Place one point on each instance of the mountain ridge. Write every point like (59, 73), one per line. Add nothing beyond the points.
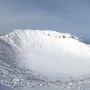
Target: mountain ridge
(36, 55)
(54, 34)
(39, 37)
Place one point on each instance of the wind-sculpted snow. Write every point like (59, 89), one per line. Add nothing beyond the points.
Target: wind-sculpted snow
(30, 58)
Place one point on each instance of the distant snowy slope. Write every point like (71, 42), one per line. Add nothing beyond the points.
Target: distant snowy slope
(37, 38)
(53, 55)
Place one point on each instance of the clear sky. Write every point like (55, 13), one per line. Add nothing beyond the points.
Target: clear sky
(71, 16)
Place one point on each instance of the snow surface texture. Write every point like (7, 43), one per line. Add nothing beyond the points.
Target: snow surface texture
(43, 58)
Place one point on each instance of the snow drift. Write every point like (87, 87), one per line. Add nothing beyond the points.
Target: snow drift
(44, 55)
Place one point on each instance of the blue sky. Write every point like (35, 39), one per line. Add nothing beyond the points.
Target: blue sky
(71, 16)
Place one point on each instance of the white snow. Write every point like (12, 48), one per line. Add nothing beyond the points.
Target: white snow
(53, 54)
(43, 55)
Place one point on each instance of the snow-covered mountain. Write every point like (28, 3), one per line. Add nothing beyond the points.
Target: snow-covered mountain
(32, 57)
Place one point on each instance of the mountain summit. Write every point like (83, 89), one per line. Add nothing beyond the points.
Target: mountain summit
(38, 55)
(50, 39)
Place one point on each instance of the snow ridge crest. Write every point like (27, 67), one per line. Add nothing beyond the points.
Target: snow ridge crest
(22, 35)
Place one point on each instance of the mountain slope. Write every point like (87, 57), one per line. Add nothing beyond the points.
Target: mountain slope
(42, 56)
